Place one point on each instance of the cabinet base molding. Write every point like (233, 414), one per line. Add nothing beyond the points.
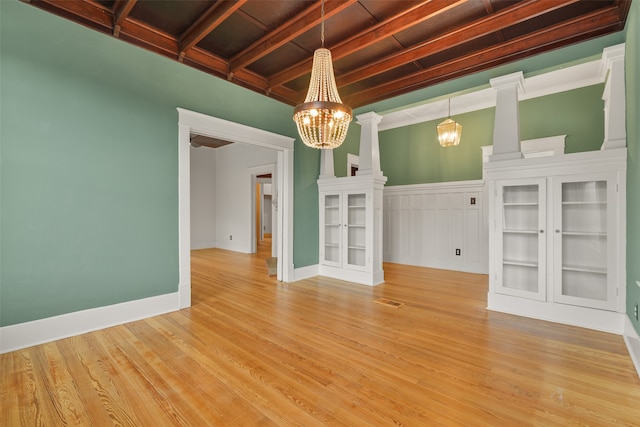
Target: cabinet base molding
(363, 277)
(600, 320)
(632, 340)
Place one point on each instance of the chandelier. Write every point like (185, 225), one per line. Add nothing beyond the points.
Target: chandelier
(449, 132)
(322, 120)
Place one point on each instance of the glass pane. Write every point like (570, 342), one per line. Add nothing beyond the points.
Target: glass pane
(331, 253)
(521, 194)
(583, 284)
(520, 277)
(520, 248)
(356, 256)
(584, 239)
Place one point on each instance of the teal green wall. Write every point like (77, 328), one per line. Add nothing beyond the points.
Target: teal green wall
(89, 172)
(632, 72)
(412, 154)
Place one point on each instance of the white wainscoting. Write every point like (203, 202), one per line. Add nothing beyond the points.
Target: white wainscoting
(424, 224)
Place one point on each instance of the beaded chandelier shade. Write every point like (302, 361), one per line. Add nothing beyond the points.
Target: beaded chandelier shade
(322, 120)
(449, 132)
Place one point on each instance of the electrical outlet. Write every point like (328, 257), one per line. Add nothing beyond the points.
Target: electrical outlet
(473, 200)
(230, 237)
(458, 252)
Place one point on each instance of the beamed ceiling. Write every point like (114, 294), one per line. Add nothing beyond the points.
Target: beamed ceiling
(380, 48)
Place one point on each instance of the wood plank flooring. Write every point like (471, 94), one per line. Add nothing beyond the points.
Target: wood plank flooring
(252, 351)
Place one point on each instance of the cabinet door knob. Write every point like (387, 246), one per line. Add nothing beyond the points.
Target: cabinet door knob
(557, 231)
(541, 231)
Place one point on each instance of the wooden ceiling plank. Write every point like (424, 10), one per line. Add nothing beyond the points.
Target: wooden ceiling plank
(212, 64)
(216, 14)
(301, 23)
(505, 18)
(387, 28)
(121, 10)
(543, 40)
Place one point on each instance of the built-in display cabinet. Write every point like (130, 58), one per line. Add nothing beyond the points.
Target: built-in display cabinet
(557, 237)
(351, 228)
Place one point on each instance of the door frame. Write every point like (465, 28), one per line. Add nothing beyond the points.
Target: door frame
(192, 122)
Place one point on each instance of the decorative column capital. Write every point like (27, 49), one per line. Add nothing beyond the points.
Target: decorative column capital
(509, 81)
(610, 56)
(370, 117)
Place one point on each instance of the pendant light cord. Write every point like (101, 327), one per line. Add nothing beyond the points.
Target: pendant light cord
(322, 24)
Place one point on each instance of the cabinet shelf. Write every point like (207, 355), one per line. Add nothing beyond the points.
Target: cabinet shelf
(585, 233)
(357, 247)
(520, 204)
(520, 263)
(522, 231)
(331, 245)
(595, 270)
(585, 202)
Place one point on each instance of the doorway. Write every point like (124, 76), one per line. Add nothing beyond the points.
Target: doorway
(190, 122)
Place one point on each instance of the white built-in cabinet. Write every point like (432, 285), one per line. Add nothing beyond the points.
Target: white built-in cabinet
(345, 227)
(351, 228)
(557, 237)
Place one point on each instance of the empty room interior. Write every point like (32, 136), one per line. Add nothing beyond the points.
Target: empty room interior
(319, 212)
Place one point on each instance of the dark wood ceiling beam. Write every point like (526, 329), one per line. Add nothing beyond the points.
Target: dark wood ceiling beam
(90, 14)
(301, 23)
(212, 64)
(121, 10)
(213, 17)
(490, 10)
(562, 34)
(403, 20)
(505, 18)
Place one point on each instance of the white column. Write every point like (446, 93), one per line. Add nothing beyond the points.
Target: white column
(506, 127)
(369, 146)
(612, 69)
(326, 164)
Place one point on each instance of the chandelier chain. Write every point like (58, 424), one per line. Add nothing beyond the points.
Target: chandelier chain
(322, 23)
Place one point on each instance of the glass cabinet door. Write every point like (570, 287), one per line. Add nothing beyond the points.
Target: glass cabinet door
(521, 245)
(582, 237)
(331, 224)
(355, 222)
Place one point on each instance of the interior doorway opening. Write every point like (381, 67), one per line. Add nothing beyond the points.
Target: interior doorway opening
(192, 123)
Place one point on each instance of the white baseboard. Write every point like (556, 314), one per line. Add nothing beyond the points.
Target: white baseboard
(632, 340)
(197, 245)
(599, 320)
(28, 334)
(363, 277)
(305, 272)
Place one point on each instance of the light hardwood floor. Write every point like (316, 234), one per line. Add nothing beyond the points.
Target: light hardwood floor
(252, 351)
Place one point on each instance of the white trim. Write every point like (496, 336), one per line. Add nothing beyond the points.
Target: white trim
(27, 334)
(419, 188)
(193, 122)
(307, 272)
(268, 168)
(369, 278)
(352, 160)
(600, 320)
(539, 147)
(632, 340)
(562, 80)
